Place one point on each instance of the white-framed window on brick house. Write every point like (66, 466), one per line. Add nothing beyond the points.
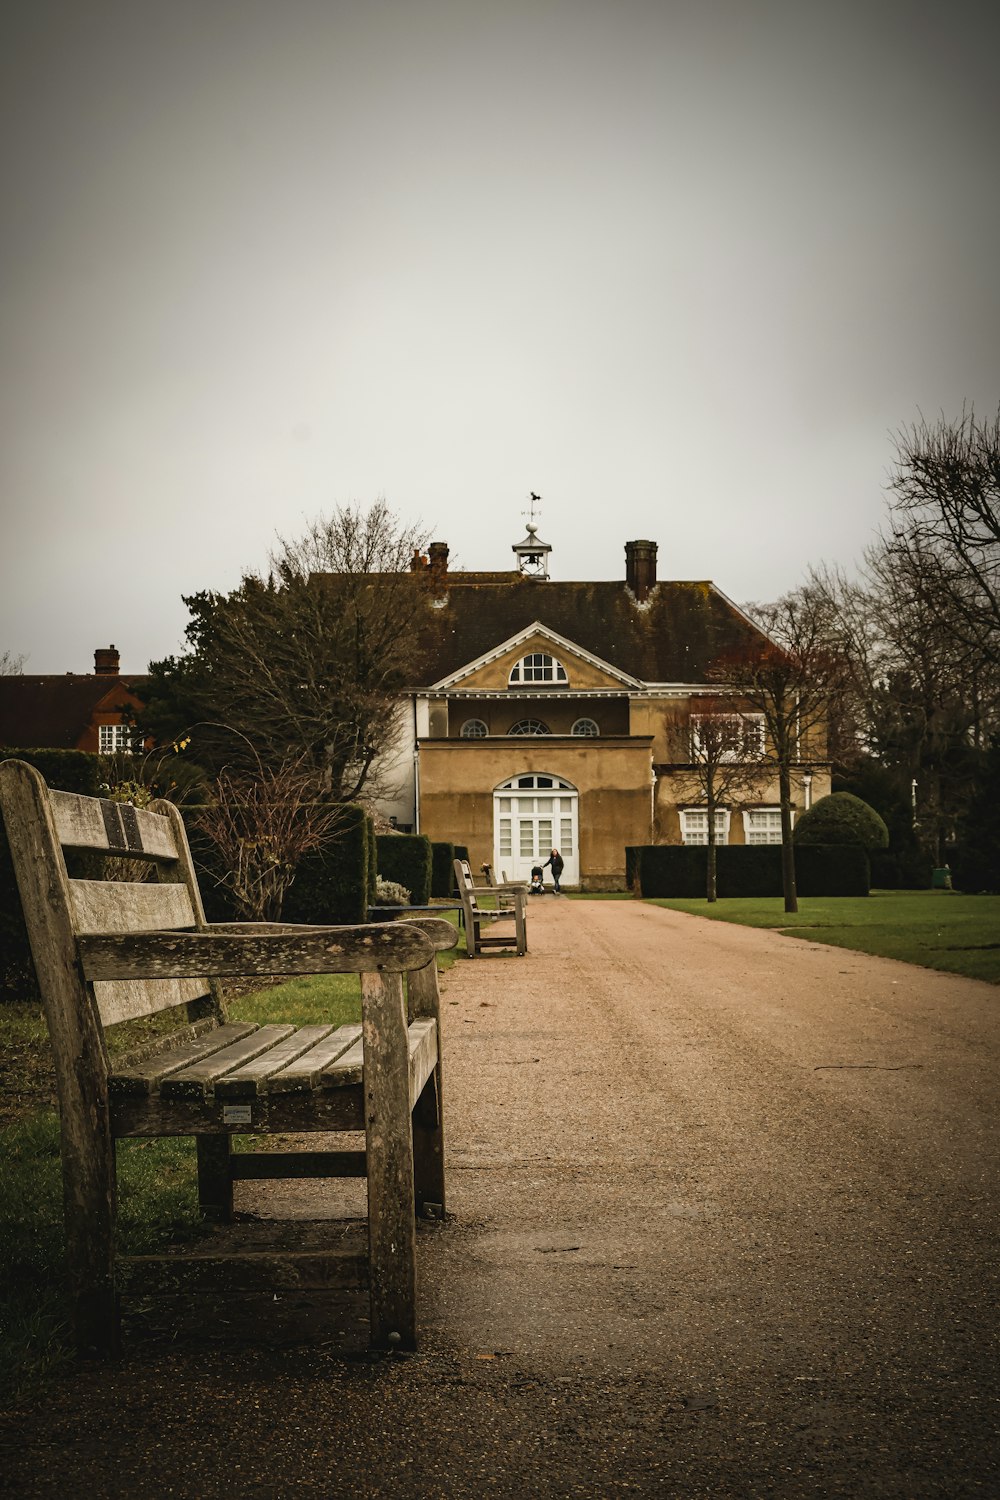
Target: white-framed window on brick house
(762, 825)
(537, 666)
(474, 729)
(694, 825)
(737, 736)
(113, 737)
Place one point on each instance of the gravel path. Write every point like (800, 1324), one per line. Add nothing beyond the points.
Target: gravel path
(725, 1226)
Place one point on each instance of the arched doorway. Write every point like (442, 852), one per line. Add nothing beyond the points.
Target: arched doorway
(532, 815)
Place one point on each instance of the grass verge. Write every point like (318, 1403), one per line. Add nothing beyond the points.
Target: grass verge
(944, 930)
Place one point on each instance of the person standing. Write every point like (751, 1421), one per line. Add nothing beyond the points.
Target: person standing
(555, 860)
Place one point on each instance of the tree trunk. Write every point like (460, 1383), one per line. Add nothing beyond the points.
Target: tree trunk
(787, 847)
(710, 861)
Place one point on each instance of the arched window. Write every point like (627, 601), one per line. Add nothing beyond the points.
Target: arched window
(586, 727)
(474, 729)
(538, 667)
(529, 726)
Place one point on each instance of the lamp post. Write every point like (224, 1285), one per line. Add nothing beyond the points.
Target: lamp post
(807, 786)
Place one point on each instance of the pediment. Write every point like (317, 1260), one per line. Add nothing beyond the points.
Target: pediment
(491, 671)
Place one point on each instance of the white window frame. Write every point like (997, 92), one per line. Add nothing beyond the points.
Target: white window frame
(521, 727)
(592, 730)
(537, 666)
(745, 721)
(470, 730)
(752, 835)
(114, 739)
(694, 825)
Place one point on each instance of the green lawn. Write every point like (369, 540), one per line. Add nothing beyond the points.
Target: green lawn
(936, 929)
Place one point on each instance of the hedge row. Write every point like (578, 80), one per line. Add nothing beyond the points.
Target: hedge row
(332, 885)
(65, 771)
(442, 870)
(679, 870)
(407, 859)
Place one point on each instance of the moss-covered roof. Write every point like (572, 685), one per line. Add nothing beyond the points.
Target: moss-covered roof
(674, 637)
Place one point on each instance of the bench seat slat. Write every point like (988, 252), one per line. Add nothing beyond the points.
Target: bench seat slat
(201, 1076)
(305, 1071)
(145, 1077)
(347, 1068)
(253, 1076)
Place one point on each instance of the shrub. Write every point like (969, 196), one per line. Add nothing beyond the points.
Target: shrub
(442, 869)
(390, 893)
(679, 870)
(406, 858)
(332, 885)
(65, 771)
(841, 818)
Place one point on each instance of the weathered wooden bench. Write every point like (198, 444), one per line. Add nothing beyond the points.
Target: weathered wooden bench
(480, 921)
(108, 951)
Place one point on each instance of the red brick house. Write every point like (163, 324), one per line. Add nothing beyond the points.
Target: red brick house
(74, 711)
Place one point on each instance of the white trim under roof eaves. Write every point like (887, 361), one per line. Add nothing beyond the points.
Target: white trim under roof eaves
(536, 628)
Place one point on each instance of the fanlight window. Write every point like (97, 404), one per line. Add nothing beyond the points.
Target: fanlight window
(529, 726)
(538, 667)
(586, 727)
(474, 729)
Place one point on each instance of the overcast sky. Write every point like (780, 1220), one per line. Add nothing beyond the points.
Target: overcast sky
(682, 268)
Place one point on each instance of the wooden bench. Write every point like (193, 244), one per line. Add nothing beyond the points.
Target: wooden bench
(480, 921)
(108, 951)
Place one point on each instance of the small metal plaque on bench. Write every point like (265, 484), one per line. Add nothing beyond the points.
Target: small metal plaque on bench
(236, 1114)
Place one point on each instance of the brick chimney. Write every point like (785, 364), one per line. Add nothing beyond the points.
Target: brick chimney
(106, 662)
(640, 569)
(437, 555)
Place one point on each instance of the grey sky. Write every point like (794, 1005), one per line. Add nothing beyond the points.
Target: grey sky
(682, 268)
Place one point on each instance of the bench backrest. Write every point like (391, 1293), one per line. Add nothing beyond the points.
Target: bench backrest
(44, 826)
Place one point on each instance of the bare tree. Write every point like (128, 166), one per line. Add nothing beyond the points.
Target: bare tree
(726, 748)
(308, 659)
(793, 674)
(924, 697)
(947, 504)
(10, 664)
(262, 826)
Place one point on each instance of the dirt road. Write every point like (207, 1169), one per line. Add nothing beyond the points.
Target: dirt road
(725, 1225)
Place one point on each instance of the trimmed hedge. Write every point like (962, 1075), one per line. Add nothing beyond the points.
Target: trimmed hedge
(65, 771)
(334, 884)
(330, 886)
(679, 870)
(407, 859)
(841, 818)
(442, 869)
(372, 861)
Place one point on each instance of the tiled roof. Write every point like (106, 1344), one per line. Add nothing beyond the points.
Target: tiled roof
(54, 711)
(674, 637)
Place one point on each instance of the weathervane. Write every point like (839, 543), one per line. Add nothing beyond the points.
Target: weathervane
(532, 554)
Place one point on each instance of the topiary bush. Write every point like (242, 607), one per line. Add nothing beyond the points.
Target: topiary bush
(841, 818)
(442, 869)
(406, 858)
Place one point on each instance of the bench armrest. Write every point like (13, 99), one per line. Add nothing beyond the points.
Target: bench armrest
(239, 949)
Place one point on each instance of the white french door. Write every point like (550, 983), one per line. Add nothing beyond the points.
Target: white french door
(532, 815)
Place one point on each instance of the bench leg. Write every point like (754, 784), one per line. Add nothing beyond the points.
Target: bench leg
(215, 1179)
(428, 1115)
(392, 1233)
